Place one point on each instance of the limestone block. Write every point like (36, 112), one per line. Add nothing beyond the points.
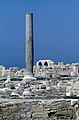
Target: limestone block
(13, 116)
(5, 109)
(37, 108)
(0, 118)
(39, 115)
(64, 113)
(6, 113)
(14, 108)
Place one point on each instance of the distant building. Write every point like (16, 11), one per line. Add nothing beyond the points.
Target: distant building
(47, 68)
(2, 70)
(45, 64)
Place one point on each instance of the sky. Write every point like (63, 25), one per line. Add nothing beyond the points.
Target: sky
(56, 31)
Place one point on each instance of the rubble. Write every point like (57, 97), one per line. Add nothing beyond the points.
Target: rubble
(49, 97)
(37, 110)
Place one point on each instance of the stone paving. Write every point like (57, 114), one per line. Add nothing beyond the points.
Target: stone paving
(37, 110)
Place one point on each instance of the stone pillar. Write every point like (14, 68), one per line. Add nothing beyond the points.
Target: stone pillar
(29, 42)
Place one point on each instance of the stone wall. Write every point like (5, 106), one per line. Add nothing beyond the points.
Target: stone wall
(37, 110)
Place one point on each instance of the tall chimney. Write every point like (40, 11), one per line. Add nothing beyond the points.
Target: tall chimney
(29, 42)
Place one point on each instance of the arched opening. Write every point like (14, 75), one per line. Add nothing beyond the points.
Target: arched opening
(45, 64)
(40, 64)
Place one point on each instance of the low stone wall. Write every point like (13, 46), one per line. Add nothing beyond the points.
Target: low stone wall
(37, 110)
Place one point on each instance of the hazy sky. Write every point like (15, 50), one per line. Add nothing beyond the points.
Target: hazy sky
(56, 30)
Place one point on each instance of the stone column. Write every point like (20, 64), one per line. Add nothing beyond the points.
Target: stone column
(29, 42)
